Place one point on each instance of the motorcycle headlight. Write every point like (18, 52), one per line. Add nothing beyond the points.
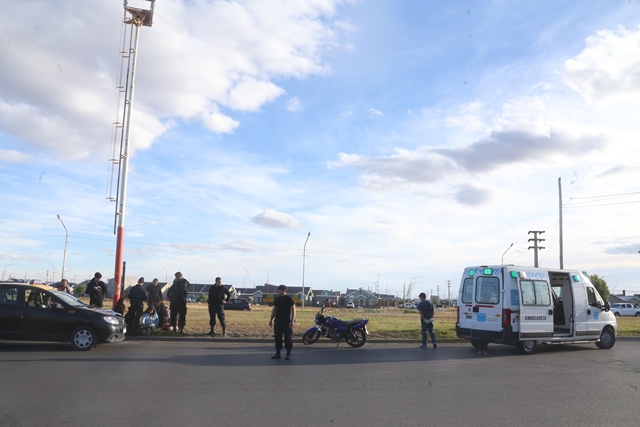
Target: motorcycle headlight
(111, 319)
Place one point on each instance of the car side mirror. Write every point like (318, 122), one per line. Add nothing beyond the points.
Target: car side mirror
(58, 306)
(607, 306)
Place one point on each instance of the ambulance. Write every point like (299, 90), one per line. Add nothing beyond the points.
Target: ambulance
(527, 306)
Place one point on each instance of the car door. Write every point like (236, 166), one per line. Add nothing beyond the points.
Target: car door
(11, 311)
(536, 309)
(44, 318)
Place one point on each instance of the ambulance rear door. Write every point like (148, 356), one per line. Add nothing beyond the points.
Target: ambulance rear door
(481, 307)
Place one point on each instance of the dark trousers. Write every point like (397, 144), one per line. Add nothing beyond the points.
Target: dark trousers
(282, 327)
(178, 311)
(427, 327)
(217, 310)
(136, 312)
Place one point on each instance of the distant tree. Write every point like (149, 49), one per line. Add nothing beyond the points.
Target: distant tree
(600, 284)
(79, 290)
(201, 298)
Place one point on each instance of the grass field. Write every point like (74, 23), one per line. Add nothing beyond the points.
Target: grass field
(383, 323)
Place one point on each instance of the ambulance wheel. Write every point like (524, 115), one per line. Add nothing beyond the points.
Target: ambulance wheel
(527, 347)
(607, 339)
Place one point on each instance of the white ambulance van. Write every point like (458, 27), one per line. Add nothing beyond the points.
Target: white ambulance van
(526, 306)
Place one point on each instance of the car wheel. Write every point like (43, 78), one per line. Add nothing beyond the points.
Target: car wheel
(528, 347)
(607, 339)
(638, 314)
(83, 338)
(245, 309)
(616, 314)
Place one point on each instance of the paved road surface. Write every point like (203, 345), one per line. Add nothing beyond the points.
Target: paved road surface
(237, 384)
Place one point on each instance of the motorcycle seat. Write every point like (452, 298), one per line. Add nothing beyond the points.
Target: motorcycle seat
(350, 323)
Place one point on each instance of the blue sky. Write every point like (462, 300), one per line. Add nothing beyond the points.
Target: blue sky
(410, 138)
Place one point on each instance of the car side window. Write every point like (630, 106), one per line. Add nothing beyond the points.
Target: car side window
(9, 296)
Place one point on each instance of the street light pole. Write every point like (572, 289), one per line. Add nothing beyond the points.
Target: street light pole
(166, 275)
(53, 278)
(505, 252)
(5, 269)
(66, 240)
(304, 256)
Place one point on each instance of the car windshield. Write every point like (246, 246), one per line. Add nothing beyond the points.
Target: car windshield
(69, 299)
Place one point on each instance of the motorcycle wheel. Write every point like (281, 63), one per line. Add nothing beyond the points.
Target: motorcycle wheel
(356, 338)
(310, 337)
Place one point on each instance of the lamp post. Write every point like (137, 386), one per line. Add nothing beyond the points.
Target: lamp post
(506, 252)
(304, 256)
(166, 275)
(66, 240)
(410, 281)
(53, 276)
(4, 269)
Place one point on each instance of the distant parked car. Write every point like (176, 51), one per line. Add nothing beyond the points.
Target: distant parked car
(238, 304)
(408, 305)
(625, 309)
(351, 305)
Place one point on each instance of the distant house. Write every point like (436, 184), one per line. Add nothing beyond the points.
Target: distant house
(326, 298)
(270, 292)
(633, 299)
(196, 289)
(361, 298)
(252, 294)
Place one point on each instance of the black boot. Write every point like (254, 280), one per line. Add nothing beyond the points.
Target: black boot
(276, 356)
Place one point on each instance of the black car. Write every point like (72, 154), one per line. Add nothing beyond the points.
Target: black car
(39, 313)
(238, 304)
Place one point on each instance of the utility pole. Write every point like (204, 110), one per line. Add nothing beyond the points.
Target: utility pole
(535, 246)
(136, 18)
(304, 257)
(449, 293)
(560, 219)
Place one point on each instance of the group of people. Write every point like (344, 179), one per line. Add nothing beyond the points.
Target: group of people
(283, 313)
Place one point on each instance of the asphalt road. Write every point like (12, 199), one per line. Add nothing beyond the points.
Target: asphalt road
(214, 383)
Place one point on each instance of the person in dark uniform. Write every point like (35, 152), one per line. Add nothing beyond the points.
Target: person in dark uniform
(218, 297)
(177, 295)
(284, 313)
(137, 297)
(96, 290)
(154, 291)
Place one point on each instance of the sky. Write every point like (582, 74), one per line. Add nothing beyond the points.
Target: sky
(342, 144)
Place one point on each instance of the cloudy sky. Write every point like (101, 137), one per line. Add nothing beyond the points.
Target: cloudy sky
(411, 138)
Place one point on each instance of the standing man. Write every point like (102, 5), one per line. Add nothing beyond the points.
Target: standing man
(177, 295)
(96, 290)
(284, 312)
(154, 292)
(425, 308)
(137, 297)
(218, 297)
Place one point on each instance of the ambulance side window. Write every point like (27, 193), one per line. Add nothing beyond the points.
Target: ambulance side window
(594, 299)
(467, 291)
(535, 292)
(488, 290)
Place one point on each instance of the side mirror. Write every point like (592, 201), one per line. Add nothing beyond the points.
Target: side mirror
(607, 306)
(57, 306)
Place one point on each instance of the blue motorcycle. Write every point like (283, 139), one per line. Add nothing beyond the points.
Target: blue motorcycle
(354, 332)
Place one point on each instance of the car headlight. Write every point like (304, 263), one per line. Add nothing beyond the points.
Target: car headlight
(111, 319)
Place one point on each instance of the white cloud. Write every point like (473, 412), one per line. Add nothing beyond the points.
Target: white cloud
(608, 69)
(13, 156)
(273, 219)
(294, 104)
